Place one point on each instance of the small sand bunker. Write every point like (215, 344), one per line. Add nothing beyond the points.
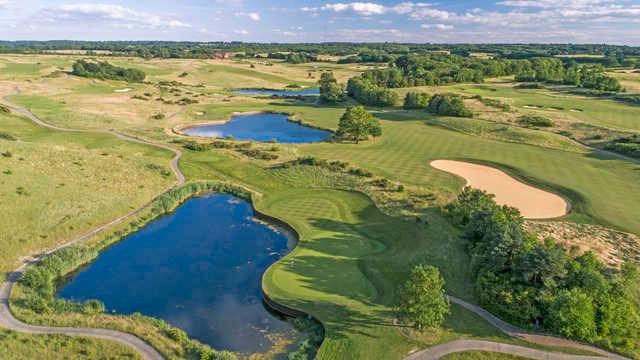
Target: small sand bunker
(533, 203)
(123, 90)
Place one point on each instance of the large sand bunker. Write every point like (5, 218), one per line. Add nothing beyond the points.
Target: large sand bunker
(533, 203)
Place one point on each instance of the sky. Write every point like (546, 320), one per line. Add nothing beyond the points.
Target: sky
(460, 21)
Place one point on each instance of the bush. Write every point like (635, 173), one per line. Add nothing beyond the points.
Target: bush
(158, 116)
(448, 105)
(360, 172)
(259, 154)
(196, 146)
(535, 121)
(4, 109)
(416, 100)
(6, 136)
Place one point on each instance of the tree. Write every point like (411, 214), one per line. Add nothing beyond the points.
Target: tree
(416, 100)
(448, 105)
(357, 124)
(330, 90)
(572, 314)
(421, 299)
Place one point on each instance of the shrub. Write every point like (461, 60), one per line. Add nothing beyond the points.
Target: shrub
(178, 335)
(196, 146)
(158, 116)
(416, 100)
(259, 154)
(7, 154)
(535, 121)
(360, 172)
(448, 105)
(6, 136)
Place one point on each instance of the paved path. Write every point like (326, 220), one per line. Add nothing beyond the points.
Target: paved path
(439, 351)
(6, 317)
(547, 340)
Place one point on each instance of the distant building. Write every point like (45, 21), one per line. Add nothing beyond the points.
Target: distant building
(221, 56)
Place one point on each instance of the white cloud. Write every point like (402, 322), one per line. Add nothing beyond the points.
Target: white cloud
(360, 8)
(366, 8)
(255, 16)
(241, 32)
(437, 26)
(110, 13)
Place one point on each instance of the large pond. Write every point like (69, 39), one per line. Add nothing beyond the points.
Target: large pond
(261, 127)
(200, 269)
(306, 92)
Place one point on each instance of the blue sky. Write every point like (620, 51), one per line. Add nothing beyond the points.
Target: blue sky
(577, 21)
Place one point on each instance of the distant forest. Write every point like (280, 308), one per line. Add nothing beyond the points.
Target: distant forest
(355, 52)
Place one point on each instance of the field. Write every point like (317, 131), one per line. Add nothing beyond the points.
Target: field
(49, 182)
(357, 243)
(18, 346)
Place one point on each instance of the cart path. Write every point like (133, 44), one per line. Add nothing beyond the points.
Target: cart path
(438, 351)
(8, 321)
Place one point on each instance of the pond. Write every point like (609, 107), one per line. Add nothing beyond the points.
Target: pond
(307, 92)
(261, 127)
(200, 269)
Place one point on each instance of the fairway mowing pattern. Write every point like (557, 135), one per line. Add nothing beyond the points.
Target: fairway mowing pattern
(608, 188)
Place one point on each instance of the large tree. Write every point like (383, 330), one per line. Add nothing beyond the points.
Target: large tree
(422, 301)
(330, 90)
(357, 124)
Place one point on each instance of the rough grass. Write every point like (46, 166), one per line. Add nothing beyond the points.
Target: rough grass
(59, 185)
(559, 105)
(16, 346)
(352, 256)
(481, 355)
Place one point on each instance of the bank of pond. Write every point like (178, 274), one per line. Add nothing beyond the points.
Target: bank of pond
(200, 269)
(260, 127)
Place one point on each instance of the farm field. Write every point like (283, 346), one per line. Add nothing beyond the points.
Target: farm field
(354, 248)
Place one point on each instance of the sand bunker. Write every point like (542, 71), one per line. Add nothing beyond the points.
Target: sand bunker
(533, 203)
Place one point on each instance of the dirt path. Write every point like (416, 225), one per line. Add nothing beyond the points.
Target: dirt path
(532, 202)
(6, 317)
(546, 340)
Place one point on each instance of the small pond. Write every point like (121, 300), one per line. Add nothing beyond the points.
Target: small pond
(306, 92)
(261, 127)
(200, 269)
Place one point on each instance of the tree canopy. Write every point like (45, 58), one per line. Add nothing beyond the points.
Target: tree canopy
(330, 91)
(527, 281)
(106, 71)
(421, 299)
(357, 124)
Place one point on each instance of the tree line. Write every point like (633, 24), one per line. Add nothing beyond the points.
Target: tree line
(186, 49)
(541, 284)
(106, 71)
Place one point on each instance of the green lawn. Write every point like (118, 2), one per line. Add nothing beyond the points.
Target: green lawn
(605, 188)
(351, 256)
